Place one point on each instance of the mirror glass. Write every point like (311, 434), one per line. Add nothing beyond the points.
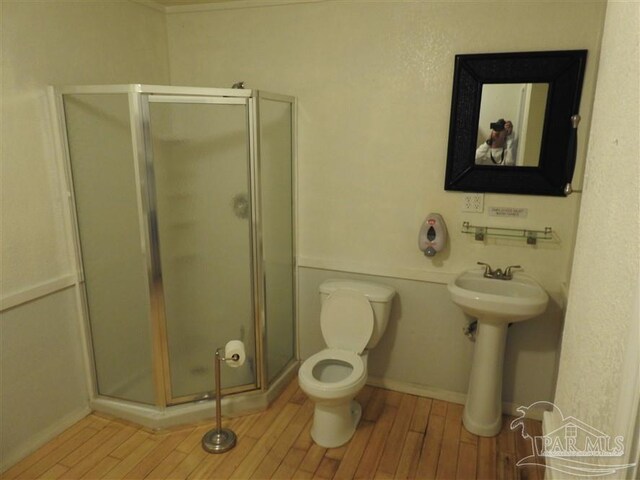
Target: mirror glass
(511, 123)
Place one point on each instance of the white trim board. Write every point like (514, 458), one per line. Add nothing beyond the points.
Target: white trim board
(37, 291)
(378, 270)
(400, 273)
(508, 408)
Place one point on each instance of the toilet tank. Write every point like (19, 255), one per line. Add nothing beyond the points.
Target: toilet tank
(380, 297)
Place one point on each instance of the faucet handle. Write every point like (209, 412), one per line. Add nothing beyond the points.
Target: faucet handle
(488, 271)
(508, 270)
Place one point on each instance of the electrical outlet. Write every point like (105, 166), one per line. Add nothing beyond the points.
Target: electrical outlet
(473, 202)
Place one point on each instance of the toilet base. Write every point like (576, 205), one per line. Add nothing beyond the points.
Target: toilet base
(334, 425)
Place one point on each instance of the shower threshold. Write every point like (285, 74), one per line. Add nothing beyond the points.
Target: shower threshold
(156, 418)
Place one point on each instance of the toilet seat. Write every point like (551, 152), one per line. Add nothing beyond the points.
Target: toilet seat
(346, 321)
(354, 360)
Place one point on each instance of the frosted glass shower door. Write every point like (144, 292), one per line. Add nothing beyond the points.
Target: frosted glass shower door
(275, 125)
(203, 215)
(114, 265)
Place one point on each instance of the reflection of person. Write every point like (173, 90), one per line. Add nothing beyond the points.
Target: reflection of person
(497, 149)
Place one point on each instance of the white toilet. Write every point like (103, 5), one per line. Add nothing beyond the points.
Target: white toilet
(354, 316)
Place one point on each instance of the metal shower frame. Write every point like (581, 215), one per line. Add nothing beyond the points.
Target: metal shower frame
(139, 97)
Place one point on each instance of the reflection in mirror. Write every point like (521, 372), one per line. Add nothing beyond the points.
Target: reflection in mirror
(511, 124)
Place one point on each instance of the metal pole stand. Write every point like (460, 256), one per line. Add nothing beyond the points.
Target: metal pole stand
(219, 440)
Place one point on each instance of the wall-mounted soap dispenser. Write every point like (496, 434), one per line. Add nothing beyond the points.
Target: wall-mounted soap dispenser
(433, 235)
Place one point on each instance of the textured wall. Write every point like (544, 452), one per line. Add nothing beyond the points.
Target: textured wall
(52, 43)
(373, 80)
(58, 43)
(606, 264)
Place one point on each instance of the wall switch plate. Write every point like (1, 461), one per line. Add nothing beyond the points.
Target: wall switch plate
(473, 202)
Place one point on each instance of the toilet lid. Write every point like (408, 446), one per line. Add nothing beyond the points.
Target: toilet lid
(346, 320)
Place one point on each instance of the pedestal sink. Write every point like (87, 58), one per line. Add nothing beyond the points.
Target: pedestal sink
(495, 303)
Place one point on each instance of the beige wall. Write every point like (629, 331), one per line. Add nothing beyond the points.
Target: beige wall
(534, 114)
(373, 81)
(601, 322)
(52, 43)
(424, 350)
(58, 43)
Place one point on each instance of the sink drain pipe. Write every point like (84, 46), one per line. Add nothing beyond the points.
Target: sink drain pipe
(470, 330)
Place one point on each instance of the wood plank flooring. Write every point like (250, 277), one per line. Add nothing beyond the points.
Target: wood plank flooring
(399, 436)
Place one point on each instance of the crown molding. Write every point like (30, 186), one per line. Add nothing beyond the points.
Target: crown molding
(232, 5)
(152, 4)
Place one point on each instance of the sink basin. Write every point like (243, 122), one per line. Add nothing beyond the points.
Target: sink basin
(495, 300)
(496, 304)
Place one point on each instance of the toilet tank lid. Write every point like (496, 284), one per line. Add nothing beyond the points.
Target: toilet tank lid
(375, 292)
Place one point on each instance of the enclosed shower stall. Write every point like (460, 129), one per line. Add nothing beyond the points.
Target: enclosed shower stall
(182, 201)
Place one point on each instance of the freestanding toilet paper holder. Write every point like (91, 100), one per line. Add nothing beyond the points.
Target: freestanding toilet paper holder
(219, 440)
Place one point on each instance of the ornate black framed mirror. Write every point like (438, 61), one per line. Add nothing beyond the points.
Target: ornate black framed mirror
(511, 128)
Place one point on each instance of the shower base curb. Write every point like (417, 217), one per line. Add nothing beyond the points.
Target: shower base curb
(232, 406)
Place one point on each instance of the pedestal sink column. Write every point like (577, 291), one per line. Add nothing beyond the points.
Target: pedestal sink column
(495, 303)
(483, 409)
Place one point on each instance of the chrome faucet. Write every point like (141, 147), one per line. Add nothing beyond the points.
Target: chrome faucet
(498, 273)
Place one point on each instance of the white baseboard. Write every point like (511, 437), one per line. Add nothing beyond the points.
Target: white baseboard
(42, 437)
(440, 394)
(419, 390)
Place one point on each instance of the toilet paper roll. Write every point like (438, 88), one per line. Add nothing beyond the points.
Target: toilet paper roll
(234, 347)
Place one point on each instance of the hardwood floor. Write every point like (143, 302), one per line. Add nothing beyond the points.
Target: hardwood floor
(399, 436)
